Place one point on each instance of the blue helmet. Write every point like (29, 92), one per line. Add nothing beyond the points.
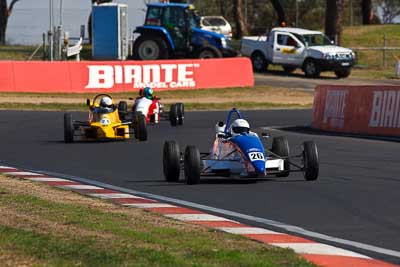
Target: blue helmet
(148, 93)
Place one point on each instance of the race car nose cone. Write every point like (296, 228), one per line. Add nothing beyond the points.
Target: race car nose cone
(259, 166)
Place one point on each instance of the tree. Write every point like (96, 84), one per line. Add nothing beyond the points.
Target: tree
(279, 12)
(367, 11)
(5, 13)
(241, 27)
(390, 10)
(333, 19)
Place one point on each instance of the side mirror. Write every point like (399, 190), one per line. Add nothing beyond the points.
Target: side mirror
(88, 102)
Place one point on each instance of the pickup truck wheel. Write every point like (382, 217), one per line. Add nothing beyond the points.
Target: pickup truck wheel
(311, 69)
(209, 52)
(288, 69)
(343, 73)
(259, 62)
(150, 47)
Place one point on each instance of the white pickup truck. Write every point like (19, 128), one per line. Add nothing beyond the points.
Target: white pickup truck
(294, 48)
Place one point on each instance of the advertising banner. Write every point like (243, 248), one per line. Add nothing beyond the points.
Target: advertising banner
(370, 110)
(124, 76)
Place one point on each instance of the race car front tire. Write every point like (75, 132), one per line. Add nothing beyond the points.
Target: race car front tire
(181, 113)
(171, 161)
(173, 115)
(122, 110)
(311, 162)
(68, 128)
(280, 146)
(192, 165)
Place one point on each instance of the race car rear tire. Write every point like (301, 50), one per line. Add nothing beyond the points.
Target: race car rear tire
(192, 165)
(141, 127)
(173, 115)
(181, 113)
(122, 109)
(311, 162)
(171, 161)
(280, 146)
(68, 128)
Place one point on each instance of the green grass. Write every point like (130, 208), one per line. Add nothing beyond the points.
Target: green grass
(19, 52)
(91, 236)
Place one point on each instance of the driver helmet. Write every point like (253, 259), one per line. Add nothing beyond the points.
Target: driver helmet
(239, 126)
(148, 93)
(106, 102)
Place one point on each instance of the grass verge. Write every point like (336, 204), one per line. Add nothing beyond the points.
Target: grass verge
(40, 225)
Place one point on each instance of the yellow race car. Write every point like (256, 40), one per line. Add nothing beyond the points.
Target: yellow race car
(104, 122)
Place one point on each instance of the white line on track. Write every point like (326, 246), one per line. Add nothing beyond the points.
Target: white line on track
(280, 225)
(19, 173)
(320, 249)
(246, 230)
(197, 217)
(114, 195)
(48, 179)
(149, 205)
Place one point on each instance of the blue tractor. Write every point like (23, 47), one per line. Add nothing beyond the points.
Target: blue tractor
(171, 30)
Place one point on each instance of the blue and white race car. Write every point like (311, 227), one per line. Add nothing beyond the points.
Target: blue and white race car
(238, 152)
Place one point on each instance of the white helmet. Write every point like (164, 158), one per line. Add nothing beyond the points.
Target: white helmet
(105, 102)
(239, 126)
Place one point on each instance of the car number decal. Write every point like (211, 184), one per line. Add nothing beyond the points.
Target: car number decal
(256, 156)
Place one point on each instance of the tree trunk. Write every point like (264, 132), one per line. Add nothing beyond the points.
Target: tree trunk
(333, 19)
(241, 28)
(279, 12)
(367, 13)
(222, 8)
(3, 21)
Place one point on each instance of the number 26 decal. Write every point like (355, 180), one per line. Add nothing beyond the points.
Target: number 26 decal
(256, 156)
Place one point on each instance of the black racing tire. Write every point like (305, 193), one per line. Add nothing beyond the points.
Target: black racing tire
(280, 146)
(258, 62)
(343, 73)
(140, 127)
(311, 69)
(171, 161)
(122, 109)
(311, 162)
(288, 69)
(209, 52)
(192, 165)
(150, 47)
(68, 128)
(181, 113)
(173, 115)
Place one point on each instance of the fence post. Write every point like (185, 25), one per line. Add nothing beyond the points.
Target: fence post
(384, 51)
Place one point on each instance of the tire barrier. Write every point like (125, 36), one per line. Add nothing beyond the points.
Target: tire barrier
(371, 110)
(124, 76)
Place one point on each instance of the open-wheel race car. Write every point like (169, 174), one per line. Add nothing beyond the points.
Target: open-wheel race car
(151, 107)
(238, 152)
(104, 123)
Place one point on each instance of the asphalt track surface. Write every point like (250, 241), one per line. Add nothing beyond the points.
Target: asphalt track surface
(355, 198)
(276, 78)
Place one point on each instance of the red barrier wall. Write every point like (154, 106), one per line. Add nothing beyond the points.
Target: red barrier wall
(371, 110)
(121, 76)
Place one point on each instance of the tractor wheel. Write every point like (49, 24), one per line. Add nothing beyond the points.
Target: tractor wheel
(209, 52)
(173, 115)
(68, 128)
(181, 113)
(311, 162)
(171, 161)
(280, 146)
(192, 165)
(150, 47)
